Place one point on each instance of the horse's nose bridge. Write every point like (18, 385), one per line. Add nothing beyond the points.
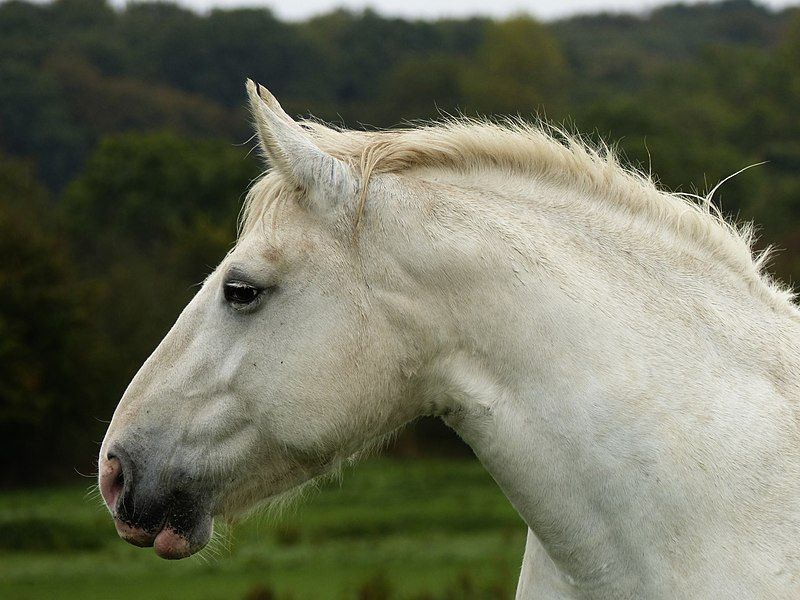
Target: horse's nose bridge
(151, 397)
(186, 360)
(147, 429)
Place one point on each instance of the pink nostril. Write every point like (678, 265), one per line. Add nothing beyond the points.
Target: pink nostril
(111, 480)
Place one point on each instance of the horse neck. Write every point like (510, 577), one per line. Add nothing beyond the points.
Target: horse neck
(584, 380)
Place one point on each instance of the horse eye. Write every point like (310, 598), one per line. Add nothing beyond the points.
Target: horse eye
(240, 294)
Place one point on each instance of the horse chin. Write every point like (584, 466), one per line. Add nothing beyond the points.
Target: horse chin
(286, 484)
(172, 544)
(179, 535)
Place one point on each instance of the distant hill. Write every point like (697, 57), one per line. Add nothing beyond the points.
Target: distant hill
(75, 70)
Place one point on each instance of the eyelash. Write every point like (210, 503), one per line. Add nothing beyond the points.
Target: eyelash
(232, 291)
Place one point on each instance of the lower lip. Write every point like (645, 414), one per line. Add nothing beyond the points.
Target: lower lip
(170, 544)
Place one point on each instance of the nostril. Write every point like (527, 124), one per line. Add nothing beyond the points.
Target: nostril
(112, 480)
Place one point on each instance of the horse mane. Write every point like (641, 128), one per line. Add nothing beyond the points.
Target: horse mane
(547, 153)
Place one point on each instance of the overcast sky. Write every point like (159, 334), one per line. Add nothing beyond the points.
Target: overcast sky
(545, 9)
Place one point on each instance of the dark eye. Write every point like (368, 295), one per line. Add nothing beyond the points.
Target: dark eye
(240, 294)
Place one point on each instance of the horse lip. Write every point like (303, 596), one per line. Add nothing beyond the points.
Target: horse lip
(137, 536)
(170, 542)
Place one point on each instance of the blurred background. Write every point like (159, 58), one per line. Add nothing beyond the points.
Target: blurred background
(124, 145)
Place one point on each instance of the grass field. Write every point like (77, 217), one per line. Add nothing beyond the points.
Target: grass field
(425, 529)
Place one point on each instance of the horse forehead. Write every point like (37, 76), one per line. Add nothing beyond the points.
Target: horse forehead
(284, 243)
(270, 252)
(257, 247)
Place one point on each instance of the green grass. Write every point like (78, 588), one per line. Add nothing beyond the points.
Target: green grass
(428, 529)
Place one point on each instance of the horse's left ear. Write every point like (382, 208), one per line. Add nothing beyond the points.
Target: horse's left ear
(326, 181)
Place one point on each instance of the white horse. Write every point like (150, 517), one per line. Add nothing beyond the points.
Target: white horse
(612, 353)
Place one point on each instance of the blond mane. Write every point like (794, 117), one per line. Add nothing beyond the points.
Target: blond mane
(545, 153)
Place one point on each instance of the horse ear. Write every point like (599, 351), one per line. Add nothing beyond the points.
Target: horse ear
(326, 181)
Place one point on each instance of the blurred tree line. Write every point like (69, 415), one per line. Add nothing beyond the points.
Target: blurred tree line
(124, 139)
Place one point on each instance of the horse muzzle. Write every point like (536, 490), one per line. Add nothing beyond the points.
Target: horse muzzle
(150, 508)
